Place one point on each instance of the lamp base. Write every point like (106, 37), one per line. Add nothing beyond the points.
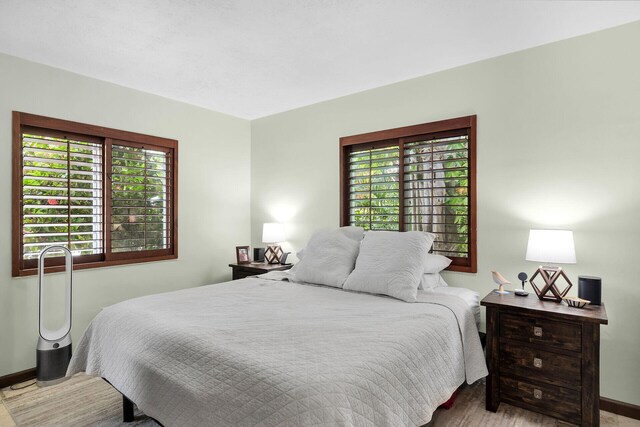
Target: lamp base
(550, 275)
(273, 254)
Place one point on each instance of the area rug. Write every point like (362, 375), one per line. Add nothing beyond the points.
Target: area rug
(79, 401)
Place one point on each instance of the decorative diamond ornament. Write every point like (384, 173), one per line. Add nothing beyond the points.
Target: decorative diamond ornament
(550, 291)
(273, 254)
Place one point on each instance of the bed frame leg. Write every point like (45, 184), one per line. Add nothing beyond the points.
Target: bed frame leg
(127, 409)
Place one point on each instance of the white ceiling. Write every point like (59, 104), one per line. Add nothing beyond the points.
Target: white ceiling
(252, 58)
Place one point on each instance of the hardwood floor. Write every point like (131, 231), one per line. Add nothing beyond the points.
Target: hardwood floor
(84, 400)
(469, 411)
(79, 401)
(5, 417)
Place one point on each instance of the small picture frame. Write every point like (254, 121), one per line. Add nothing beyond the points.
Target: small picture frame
(242, 255)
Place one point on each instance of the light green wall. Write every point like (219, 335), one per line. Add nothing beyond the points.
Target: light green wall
(558, 146)
(213, 195)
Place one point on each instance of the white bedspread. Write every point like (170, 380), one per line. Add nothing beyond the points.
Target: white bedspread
(257, 352)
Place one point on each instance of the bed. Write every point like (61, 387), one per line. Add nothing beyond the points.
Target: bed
(267, 352)
(344, 338)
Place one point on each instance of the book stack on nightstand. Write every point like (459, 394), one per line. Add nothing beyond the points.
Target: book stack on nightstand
(240, 271)
(544, 356)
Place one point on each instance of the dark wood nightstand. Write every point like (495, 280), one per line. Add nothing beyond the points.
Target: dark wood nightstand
(240, 271)
(544, 356)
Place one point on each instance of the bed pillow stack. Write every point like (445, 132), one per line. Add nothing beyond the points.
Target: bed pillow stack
(391, 263)
(431, 278)
(432, 281)
(350, 231)
(330, 256)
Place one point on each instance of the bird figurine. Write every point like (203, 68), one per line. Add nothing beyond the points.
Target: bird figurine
(500, 281)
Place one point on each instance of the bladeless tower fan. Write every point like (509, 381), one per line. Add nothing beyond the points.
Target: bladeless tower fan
(53, 352)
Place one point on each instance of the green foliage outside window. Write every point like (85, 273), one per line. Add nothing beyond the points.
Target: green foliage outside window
(139, 199)
(437, 203)
(62, 197)
(59, 186)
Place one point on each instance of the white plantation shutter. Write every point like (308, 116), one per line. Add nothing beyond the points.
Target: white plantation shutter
(110, 196)
(374, 188)
(140, 199)
(436, 191)
(61, 194)
(416, 178)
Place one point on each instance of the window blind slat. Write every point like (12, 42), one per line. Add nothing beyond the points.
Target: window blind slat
(436, 191)
(60, 197)
(140, 199)
(374, 178)
(431, 174)
(52, 191)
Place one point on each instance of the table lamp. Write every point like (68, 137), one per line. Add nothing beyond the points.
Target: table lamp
(552, 247)
(272, 234)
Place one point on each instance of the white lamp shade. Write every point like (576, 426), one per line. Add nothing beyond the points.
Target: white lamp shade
(273, 232)
(553, 246)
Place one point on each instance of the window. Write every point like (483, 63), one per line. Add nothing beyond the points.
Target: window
(107, 195)
(415, 178)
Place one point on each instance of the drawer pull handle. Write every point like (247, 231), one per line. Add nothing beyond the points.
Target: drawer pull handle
(537, 362)
(537, 393)
(537, 331)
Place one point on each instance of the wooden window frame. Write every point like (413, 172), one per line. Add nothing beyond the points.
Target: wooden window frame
(379, 139)
(104, 136)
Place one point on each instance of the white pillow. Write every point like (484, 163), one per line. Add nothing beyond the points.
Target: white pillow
(329, 257)
(390, 263)
(436, 263)
(431, 281)
(351, 231)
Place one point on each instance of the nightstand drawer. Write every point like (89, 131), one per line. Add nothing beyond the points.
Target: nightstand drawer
(544, 356)
(559, 402)
(240, 274)
(240, 271)
(567, 336)
(552, 368)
